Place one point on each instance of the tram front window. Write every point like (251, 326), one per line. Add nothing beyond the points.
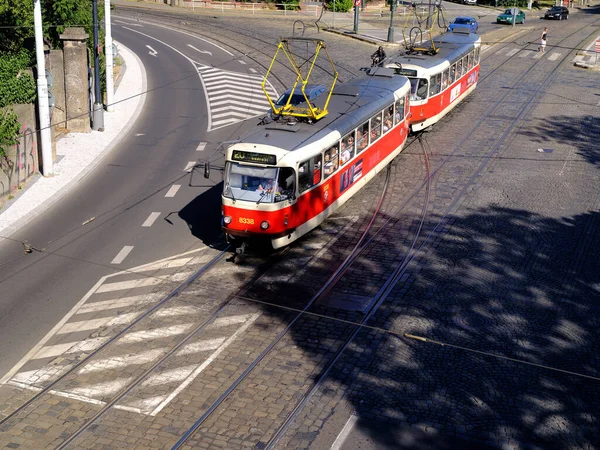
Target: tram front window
(418, 88)
(258, 184)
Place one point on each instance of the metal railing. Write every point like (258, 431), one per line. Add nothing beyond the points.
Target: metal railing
(253, 8)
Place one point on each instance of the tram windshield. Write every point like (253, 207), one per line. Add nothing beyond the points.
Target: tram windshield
(418, 88)
(258, 184)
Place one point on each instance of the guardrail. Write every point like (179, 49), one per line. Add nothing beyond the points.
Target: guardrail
(253, 8)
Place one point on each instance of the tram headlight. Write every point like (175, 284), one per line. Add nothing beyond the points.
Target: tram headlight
(264, 224)
(226, 220)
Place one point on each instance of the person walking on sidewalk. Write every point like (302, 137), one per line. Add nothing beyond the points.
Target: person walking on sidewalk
(543, 40)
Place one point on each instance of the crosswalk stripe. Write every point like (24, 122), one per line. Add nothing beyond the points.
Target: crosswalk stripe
(174, 263)
(86, 345)
(230, 320)
(100, 389)
(232, 76)
(241, 115)
(87, 325)
(118, 362)
(169, 376)
(155, 333)
(118, 303)
(237, 103)
(512, 52)
(174, 311)
(538, 56)
(554, 56)
(218, 123)
(202, 346)
(39, 376)
(129, 284)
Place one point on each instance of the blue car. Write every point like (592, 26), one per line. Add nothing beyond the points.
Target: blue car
(464, 24)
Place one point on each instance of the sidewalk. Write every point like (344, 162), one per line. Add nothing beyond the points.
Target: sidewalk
(78, 153)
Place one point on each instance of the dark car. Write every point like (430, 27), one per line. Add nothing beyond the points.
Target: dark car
(557, 12)
(312, 91)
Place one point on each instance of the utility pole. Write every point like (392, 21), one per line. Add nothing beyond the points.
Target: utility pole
(357, 4)
(98, 113)
(42, 87)
(108, 51)
(390, 37)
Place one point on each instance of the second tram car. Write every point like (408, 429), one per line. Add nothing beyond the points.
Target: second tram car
(286, 177)
(439, 81)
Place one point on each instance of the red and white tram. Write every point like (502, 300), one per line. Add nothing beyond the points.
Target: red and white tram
(286, 177)
(439, 81)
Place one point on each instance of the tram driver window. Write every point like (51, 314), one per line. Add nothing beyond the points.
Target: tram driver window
(309, 173)
(285, 184)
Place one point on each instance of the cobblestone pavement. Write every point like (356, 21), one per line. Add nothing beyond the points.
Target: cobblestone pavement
(507, 285)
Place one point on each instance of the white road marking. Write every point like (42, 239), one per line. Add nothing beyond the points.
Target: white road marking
(86, 325)
(539, 55)
(151, 219)
(129, 284)
(341, 438)
(174, 311)
(100, 389)
(231, 320)
(81, 303)
(241, 61)
(173, 190)
(189, 166)
(554, 56)
(152, 52)
(523, 55)
(201, 146)
(252, 70)
(39, 375)
(169, 376)
(140, 134)
(202, 346)
(512, 52)
(126, 250)
(118, 362)
(161, 265)
(205, 364)
(218, 123)
(118, 303)
(198, 50)
(156, 333)
(86, 345)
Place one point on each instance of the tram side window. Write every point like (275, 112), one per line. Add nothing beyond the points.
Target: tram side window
(470, 60)
(399, 111)
(406, 105)
(375, 127)
(436, 84)
(347, 150)
(453, 73)
(309, 173)
(421, 93)
(477, 56)
(362, 137)
(464, 65)
(331, 161)
(388, 121)
(445, 79)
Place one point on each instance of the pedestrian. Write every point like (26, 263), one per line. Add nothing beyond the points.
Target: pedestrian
(543, 40)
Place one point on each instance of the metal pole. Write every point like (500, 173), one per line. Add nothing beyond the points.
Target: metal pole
(333, 23)
(390, 37)
(98, 113)
(356, 7)
(42, 87)
(108, 51)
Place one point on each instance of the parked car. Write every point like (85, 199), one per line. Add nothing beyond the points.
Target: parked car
(469, 2)
(557, 12)
(507, 16)
(464, 24)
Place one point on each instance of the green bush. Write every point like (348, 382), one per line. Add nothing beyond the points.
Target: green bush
(339, 5)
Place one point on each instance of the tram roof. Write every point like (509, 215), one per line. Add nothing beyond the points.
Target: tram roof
(351, 104)
(450, 45)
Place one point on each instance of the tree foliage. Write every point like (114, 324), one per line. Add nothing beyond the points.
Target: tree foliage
(9, 130)
(339, 5)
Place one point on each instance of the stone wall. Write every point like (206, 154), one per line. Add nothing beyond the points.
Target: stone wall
(22, 159)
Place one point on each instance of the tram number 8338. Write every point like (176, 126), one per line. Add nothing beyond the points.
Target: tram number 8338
(246, 221)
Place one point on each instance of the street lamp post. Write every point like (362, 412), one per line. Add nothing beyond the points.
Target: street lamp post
(98, 113)
(390, 37)
(108, 52)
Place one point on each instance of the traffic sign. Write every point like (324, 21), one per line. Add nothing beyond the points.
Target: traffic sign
(357, 2)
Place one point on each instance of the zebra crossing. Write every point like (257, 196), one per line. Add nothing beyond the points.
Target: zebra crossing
(232, 96)
(551, 55)
(115, 302)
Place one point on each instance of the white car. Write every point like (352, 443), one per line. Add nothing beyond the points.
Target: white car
(469, 2)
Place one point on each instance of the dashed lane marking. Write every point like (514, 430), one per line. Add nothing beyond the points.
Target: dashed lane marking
(201, 146)
(172, 191)
(189, 166)
(125, 251)
(151, 219)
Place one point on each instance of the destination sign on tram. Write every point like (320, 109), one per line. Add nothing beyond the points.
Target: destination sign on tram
(252, 157)
(405, 72)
